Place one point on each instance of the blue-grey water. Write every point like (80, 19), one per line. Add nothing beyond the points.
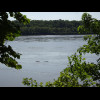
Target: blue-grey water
(43, 58)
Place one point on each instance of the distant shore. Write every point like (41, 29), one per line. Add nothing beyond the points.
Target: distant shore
(56, 34)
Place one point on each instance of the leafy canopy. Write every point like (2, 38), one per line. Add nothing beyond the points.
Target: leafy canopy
(8, 32)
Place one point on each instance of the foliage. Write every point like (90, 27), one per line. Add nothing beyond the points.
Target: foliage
(50, 27)
(8, 31)
(79, 73)
(90, 25)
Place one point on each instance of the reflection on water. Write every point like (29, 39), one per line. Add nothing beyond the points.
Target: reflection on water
(46, 38)
(43, 57)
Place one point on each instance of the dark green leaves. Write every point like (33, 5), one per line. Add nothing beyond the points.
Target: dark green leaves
(9, 31)
(8, 55)
(90, 25)
(30, 82)
(21, 18)
(11, 14)
(3, 16)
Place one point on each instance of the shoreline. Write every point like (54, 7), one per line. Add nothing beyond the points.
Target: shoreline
(57, 34)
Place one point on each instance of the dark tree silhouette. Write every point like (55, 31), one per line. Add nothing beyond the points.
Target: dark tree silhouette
(8, 31)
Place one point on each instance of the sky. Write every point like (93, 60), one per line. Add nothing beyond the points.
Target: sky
(58, 15)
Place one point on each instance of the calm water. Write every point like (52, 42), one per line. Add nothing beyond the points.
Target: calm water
(43, 58)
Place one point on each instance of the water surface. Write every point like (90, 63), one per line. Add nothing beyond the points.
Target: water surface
(43, 58)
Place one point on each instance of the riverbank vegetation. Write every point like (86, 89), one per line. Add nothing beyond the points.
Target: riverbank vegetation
(50, 27)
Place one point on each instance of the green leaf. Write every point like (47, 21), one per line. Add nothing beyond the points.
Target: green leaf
(19, 67)
(84, 58)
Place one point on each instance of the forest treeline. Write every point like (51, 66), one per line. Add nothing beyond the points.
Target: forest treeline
(50, 27)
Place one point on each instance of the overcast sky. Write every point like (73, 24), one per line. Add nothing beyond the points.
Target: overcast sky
(58, 15)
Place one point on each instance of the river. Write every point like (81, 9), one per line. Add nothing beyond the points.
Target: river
(43, 58)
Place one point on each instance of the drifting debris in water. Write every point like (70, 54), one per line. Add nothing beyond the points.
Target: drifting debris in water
(39, 61)
(45, 61)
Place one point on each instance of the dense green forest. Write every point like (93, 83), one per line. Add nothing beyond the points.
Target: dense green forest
(50, 27)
